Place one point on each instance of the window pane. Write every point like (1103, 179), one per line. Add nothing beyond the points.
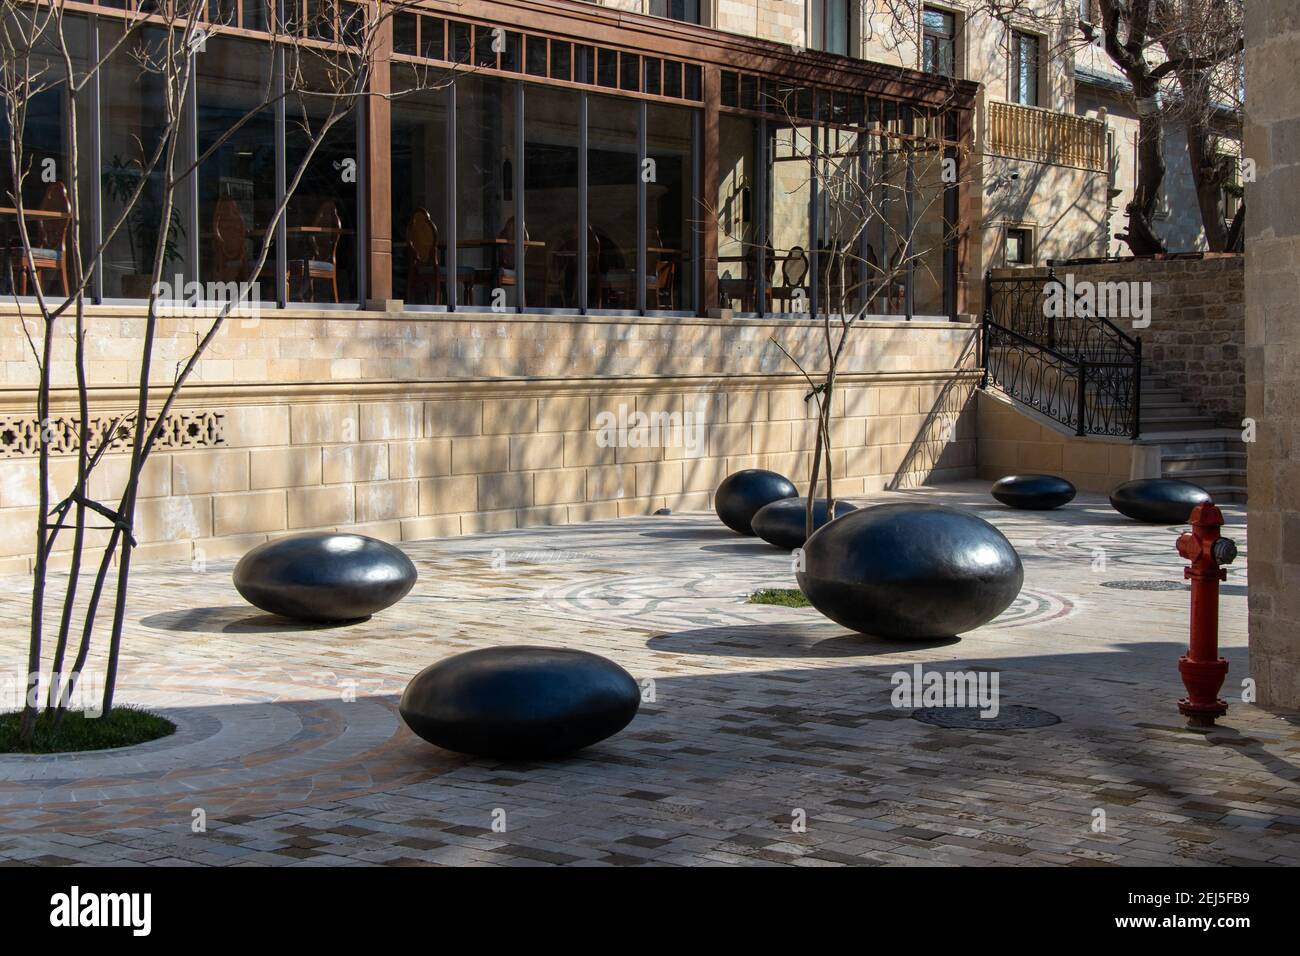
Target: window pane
(612, 172)
(669, 209)
(419, 178)
(790, 246)
(322, 214)
(237, 182)
(844, 209)
(485, 190)
(551, 197)
(48, 182)
(134, 121)
(929, 233)
(737, 207)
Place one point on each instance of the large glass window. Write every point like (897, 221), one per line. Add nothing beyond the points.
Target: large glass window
(843, 212)
(789, 250)
(685, 10)
(46, 178)
(419, 190)
(133, 123)
(670, 216)
(551, 199)
(486, 159)
(738, 201)
(322, 214)
(939, 47)
(929, 234)
(830, 26)
(613, 169)
(1024, 69)
(237, 181)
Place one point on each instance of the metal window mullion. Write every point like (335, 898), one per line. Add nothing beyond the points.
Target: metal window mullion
(520, 212)
(761, 202)
(362, 214)
(908, 226)
(642, 117)
(191, 154)
(583, 279)
(452, 279)
(814, 253)
(97, 189)
(696, 225)
(281, 158)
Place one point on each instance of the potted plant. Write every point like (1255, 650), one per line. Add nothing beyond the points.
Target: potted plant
(143, 227)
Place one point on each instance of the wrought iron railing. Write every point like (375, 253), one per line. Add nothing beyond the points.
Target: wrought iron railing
(1080, 370)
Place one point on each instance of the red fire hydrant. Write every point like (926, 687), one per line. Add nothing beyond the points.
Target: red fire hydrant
(1202, 669)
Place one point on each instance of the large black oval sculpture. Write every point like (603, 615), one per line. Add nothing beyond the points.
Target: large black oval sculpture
(740, 496)
(1033, 492)
(784, 522)
(520, 702)
(910, 571)
(1158, 500)
(324, 576)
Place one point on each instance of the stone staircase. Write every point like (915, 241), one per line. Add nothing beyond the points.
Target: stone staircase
(1191, 445)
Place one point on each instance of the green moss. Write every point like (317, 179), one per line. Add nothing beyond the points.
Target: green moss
(121, 727)
(782, 597)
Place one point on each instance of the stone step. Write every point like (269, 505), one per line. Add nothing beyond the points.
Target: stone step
(1206, 477)
(1186, 464)
(1160, 422)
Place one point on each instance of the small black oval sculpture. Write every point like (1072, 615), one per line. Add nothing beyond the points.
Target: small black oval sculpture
(1033, 492)
(740, 496)
(324, 576)
(910, 571)
(784, 522)
(1158, 500)
(520, 702)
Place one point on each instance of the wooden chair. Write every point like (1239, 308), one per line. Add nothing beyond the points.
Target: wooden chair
(661, 287)
(48, 238)
(320, 252)
(229, 250)
(503, 272)
(794, 275)
(424, 268)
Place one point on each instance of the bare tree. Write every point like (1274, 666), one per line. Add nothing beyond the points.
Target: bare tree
(327, 57)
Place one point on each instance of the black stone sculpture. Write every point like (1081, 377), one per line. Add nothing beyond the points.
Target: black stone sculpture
(910, 571)
(740, 496)
(784, 522)
(520, 702)
(1158, 500)
(1033, 492)
(324, 576)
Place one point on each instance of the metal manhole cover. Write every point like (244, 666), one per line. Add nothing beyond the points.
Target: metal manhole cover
(1011, 717)
(1145, 585)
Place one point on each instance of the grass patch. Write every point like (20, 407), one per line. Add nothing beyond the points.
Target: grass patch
(122, 727)
(781, 597)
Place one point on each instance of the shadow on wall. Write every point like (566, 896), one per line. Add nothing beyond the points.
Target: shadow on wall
(948, 427)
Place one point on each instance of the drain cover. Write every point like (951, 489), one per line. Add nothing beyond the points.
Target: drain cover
(1012, 717)
(1145, 585)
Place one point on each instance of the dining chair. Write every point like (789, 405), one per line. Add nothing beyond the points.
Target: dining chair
(424, 270)
(320, 252)
(48, 238)
(229, 249)
(794, 276)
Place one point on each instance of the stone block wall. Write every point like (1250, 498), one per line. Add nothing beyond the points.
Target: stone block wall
(1197, 336)
(1012, 441)
(1273, 347)
(417, 427)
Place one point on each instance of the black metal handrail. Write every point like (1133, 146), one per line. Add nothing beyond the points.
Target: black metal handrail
(1083, 371)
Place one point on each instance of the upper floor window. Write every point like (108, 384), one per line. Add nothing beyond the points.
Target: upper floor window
(1025, 58)
(687, 11)
(830, 26)
(939, 50)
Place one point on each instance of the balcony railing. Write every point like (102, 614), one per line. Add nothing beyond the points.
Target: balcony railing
(1046, 136)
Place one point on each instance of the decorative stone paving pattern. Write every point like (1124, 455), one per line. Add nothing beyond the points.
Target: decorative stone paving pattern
(756, 712)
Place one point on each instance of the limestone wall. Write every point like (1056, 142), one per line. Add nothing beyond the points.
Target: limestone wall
(408, 427)
(1273, 347)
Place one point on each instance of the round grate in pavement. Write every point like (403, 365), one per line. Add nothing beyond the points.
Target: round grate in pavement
(1011, 717)
(1145, 585)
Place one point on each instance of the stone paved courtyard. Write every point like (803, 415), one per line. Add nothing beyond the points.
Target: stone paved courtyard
(290, 745)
